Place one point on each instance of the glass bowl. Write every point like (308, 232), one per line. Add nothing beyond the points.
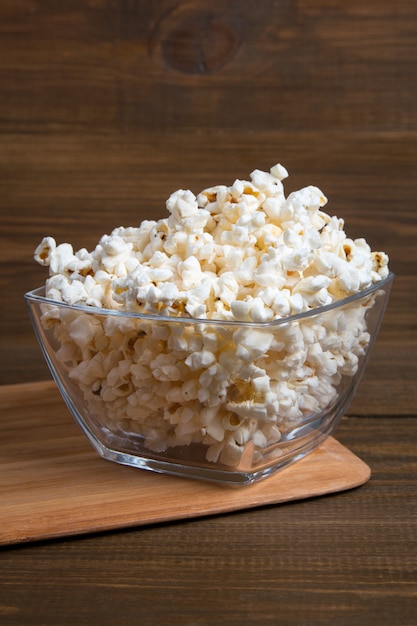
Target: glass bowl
(231, 402)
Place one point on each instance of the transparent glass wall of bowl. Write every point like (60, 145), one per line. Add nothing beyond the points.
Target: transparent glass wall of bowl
(231, 402)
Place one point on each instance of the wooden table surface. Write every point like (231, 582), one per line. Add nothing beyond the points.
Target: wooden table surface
(348, 558)
(107, 107)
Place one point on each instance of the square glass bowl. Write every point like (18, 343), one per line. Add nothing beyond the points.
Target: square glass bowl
(231, 402)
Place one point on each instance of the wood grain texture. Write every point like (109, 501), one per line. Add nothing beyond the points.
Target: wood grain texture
(346, 559)
(136, 65)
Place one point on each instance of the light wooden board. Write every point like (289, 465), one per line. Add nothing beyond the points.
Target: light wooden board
(53, 484)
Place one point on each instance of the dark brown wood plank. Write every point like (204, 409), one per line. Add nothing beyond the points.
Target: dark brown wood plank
(79, 186)
(136, 65)
(345, 559)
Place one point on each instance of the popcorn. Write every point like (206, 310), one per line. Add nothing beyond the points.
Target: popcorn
(245, 255)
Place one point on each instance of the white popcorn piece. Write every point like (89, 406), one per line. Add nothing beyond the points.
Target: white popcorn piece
(244, 254)
(252, 342)
(279, 171)
(199, 360)
(267, 182)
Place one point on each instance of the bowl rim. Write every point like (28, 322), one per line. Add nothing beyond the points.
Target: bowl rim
(37, 295)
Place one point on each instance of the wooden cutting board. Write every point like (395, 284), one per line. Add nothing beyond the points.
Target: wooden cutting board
(53, 484)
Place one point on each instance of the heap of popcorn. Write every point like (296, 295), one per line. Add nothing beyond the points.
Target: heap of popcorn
(244, 253)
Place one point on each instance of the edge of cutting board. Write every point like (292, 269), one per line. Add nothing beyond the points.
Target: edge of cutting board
(53, 484)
